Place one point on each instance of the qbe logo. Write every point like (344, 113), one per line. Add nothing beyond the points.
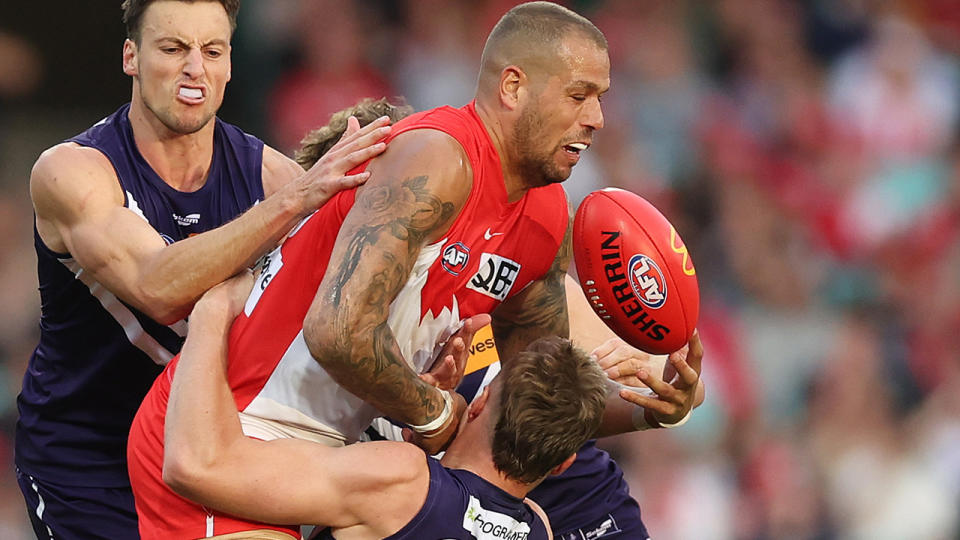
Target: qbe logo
(454, 258)
(495, 277)
(647, 281)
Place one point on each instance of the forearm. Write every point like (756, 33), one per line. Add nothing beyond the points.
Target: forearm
(201, 418)
(180, 273)
(540, 312)
(370, 365)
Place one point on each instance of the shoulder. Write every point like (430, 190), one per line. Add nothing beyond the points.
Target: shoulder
(434, 154)
(69, 170)
(278, 170)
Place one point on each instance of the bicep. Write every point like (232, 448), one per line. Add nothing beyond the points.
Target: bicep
(80, 203)
(410, 199)
(295, 481)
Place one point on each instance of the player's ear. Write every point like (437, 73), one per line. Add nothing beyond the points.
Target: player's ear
(478, 404)
(130, 58)
(564, 466)
(512, 82)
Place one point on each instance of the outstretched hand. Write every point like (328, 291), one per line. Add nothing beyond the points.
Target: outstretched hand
(329, 174)
(675, 397)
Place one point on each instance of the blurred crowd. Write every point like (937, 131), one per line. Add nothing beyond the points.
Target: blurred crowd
(807, 152)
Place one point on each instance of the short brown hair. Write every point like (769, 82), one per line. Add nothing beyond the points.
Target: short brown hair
(319, 141)
(133, 14)
(532, 31)
(551, 401)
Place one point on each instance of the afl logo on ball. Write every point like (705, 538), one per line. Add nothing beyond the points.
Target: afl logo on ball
(647, 281)
(455, 257)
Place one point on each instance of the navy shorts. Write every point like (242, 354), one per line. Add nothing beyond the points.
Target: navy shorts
(66, 512)
(623, 524)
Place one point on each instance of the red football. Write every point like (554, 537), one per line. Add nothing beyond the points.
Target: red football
(635, 270)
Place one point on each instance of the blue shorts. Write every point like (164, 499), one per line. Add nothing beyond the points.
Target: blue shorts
(622, 524)
(66, 512)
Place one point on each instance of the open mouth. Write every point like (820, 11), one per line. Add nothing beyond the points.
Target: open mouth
(575, 148)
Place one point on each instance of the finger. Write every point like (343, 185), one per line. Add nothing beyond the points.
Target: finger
(661, 388)
(353, 180)
(353, 126)
(613, 372)
(429, 379)
(647, 402)
(350, 137)
(344, 163)
(407, 434)
(476, 322)
(447, 370)
(367, 135)
(688, 376)
(607, 347)
(695, 352)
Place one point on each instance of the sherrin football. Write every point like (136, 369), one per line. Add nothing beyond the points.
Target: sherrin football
(635, 270)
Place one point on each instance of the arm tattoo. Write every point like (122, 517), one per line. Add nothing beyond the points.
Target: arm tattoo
(369, 363)
(542, 312)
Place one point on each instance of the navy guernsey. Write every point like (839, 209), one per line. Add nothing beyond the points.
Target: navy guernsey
(462, 506)
(97, 355)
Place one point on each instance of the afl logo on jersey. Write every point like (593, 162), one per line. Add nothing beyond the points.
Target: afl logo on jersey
(455, 257)
(647, 281)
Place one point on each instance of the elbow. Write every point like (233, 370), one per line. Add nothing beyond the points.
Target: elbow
(163, 308)
(182, 474)
(322, 340)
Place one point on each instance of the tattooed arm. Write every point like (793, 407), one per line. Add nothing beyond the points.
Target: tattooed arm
(416, 190)
(540, 309)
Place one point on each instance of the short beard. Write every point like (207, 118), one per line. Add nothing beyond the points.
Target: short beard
(536, 169)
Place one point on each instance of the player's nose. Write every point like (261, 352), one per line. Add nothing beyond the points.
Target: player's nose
(593, 115)
(193, 66)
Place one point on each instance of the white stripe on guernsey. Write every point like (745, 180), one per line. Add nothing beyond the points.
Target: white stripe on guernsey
(209, 525)
(41, 506)
(131, 326)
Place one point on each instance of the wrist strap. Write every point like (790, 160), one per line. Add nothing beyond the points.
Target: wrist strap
(439, 421)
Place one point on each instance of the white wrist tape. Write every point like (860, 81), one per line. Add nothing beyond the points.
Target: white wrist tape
(439, 421)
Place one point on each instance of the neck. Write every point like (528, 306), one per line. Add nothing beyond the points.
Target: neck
(493, 120)
(472, 453)
(182, 161)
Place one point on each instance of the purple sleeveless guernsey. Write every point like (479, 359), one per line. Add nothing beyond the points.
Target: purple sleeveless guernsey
(462, 506)
(98, 356)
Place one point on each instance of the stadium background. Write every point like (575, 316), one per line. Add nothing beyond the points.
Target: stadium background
(807, 152)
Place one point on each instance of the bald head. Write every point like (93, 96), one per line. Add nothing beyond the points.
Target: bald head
(531, 36)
